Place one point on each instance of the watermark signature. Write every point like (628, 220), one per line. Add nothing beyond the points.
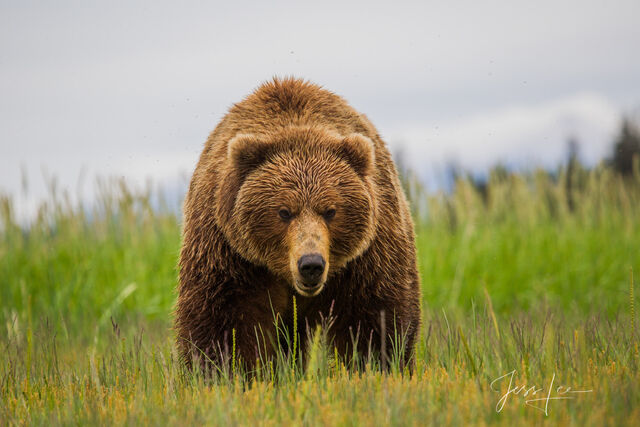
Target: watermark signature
(533, 395)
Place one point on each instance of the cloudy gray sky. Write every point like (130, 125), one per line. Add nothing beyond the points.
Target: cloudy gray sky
(133, 88)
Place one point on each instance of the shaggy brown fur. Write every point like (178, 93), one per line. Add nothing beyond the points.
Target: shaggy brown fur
(289, 171)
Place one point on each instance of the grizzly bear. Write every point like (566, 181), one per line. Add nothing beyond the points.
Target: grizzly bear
(295, 195)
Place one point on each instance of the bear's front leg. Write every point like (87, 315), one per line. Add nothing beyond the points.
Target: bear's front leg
(259, 322)
(385, 332)
(232, 325)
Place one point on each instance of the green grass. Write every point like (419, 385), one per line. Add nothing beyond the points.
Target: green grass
(514, 279)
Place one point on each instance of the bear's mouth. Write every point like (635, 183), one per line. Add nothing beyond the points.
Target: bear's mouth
(308, 290)
(309, 273)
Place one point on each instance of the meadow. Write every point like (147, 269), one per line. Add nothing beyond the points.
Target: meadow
(528, 316)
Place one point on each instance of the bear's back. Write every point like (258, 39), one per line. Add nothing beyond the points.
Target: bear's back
(283, 103)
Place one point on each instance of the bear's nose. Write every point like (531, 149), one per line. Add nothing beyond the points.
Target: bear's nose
(311, 267)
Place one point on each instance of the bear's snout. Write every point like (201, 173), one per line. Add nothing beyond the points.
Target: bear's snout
(311, 268)
(309, 261)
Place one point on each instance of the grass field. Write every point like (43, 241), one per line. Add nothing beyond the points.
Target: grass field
(529, 281)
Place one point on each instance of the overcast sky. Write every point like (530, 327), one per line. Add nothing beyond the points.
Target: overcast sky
(133, 88)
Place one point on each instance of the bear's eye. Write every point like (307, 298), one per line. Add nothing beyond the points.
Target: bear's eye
(329, 214)
(285, 214)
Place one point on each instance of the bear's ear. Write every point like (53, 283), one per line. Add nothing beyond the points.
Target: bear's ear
(247, 152)
(359, 151)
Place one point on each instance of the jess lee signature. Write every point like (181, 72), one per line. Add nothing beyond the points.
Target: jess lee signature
(533, 395)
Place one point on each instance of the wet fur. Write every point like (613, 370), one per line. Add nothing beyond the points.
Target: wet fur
(235, 256)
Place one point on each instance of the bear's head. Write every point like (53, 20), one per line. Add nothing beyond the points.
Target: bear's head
(299, 202)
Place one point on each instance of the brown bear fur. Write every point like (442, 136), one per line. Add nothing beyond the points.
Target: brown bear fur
(295, 147)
